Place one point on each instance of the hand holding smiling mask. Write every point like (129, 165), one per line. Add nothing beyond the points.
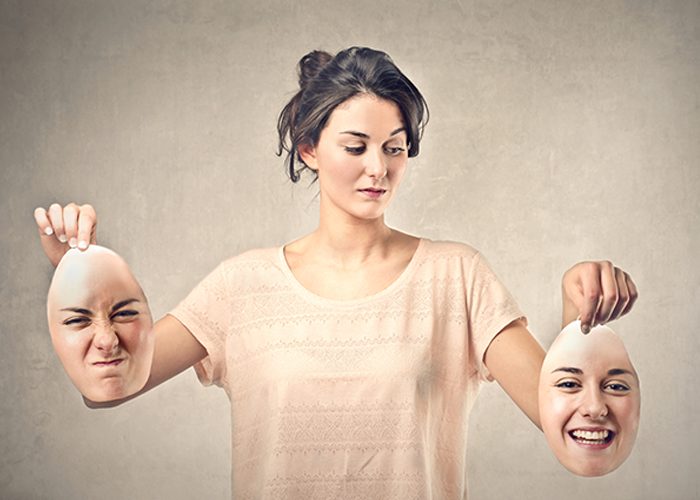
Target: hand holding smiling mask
(100, 324)
(589, 400)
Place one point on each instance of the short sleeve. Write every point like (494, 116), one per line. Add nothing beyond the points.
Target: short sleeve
(206, 313)
(490, 309)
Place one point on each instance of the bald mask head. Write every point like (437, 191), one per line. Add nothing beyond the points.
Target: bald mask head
(589, 400)
(100, 324)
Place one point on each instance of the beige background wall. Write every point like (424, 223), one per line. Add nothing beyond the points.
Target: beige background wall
(560, 131)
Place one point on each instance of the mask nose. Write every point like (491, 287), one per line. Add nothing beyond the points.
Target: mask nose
(593, 405)
(105, 339)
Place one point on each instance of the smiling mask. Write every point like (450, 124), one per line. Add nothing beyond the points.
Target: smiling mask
(589, 400)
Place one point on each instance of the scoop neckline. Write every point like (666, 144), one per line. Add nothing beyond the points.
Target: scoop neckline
(313, 297)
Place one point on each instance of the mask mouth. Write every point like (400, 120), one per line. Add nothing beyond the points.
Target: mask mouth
(108, 363)
(599, 438)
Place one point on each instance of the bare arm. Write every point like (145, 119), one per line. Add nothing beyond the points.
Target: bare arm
(514, 359)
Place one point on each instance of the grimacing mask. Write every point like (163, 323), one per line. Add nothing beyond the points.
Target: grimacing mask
(589, 400)
(100, 324)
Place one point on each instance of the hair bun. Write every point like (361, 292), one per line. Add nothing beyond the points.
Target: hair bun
(311, 65)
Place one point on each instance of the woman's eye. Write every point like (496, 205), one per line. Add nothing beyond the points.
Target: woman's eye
(77, 321)
(355, 150)
(394, 151)
(125, 314)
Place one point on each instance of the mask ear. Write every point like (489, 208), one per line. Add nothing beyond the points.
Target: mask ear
(307, 153)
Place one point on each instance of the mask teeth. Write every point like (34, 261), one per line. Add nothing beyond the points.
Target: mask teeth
(591, 435)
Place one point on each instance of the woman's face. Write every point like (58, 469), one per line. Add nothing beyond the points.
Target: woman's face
(589, 400)
(360, 157)
(100, 324)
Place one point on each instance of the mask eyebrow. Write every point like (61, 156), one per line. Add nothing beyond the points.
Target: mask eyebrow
(121, 304)
(622, 371)
(79, 310)
(569, 369)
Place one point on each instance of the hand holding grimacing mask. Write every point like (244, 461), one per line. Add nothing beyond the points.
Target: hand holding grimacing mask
(589, 400)
(100, 324)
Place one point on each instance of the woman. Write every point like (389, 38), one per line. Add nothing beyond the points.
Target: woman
(353, 355)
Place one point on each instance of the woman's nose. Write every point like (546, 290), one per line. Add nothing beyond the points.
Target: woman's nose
(105, 338)
(593, 404)
(375, 164)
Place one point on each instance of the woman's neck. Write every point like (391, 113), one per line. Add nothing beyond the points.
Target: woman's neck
(349, 242)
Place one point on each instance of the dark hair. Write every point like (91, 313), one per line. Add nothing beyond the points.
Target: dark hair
(326, 81)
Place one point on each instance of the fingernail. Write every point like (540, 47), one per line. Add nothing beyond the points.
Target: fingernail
(48, 231)
(585, 328)
(62, 238)
(82, 244)
(73, 242)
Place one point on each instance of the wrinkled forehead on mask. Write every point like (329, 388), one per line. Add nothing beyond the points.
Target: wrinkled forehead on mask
(84, 277)
(600, 346)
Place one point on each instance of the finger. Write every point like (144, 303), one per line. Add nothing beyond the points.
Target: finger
(634, 294)
(590, 285)
(42, 221)
(609, 291)
(87, 225)
(53, 248)
(56, 217)
(623, 294)
(70, 224)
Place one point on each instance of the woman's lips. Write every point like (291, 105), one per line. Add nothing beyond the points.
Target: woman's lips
(596, 439)
(373, 193)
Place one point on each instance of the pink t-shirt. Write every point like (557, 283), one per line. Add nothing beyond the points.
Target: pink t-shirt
(366, 398)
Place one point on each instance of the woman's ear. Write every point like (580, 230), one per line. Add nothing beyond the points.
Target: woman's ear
(307, 153)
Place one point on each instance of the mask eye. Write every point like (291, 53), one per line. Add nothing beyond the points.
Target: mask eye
(125, 315)
(617, 388)
(568, 385)
(77, 321)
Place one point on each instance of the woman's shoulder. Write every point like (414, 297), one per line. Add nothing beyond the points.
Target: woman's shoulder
(452, 258)
(251, 260)
(447, 248)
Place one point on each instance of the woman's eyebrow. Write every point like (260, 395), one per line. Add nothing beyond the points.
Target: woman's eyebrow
(356, 134)
(121, 304)
(366, 136)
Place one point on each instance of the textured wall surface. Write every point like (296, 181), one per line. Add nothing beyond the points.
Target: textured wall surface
(560, 131)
